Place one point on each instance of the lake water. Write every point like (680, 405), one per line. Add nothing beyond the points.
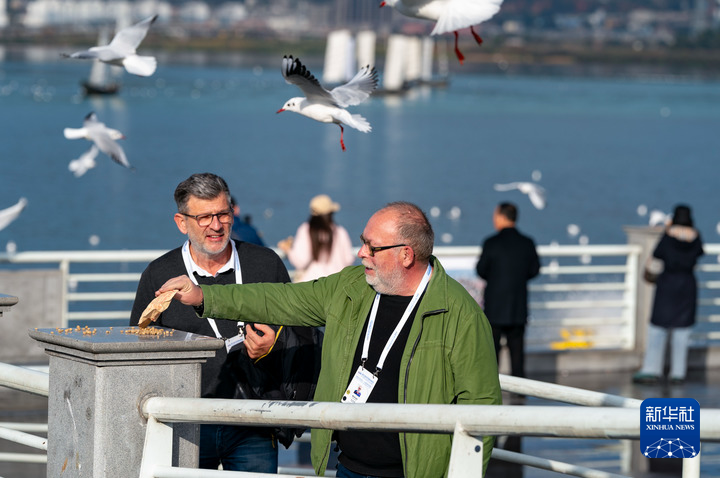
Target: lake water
(602, 145)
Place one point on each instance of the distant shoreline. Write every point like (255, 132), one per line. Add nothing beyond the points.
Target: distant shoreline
(536, 57)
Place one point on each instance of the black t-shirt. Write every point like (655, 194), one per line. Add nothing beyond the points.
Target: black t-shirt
(378, 453)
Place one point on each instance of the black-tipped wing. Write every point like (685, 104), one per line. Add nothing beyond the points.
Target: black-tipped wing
(357, 89)
(129, 38)
(296, 74)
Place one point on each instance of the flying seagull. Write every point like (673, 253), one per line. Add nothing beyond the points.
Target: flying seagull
(449, 15)
(102, 137)
(329, 106)
(8, 215)
(85, 162)
(534, 191)
(121, 50)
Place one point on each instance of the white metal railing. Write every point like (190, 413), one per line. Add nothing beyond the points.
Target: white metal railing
(585, 297)
(599, 416)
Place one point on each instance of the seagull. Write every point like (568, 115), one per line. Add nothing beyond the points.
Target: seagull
(85, 162)
(658, 218)
(8, 215)
(121, 50)
(329, 106)
(534, 191)
(102, 136)
(450, 15)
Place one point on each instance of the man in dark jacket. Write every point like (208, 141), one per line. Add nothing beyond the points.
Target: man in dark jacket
(256, 359)
(507, 262)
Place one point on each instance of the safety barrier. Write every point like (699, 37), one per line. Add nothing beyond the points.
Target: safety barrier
(598, 415)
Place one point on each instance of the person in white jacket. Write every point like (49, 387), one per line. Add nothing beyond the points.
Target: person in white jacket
(320, 246)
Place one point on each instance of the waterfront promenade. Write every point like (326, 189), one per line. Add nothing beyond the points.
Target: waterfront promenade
(606, 455)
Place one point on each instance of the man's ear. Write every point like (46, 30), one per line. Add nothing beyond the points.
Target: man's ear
(408, 256)
(180, 222)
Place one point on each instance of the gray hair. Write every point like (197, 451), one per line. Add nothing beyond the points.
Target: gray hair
(202, 186)
(413, 228)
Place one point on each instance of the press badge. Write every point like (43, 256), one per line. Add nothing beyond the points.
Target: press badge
(233, 342)
(360, 386)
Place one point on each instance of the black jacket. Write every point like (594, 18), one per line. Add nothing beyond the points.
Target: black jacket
(675, 301)
(507, 261)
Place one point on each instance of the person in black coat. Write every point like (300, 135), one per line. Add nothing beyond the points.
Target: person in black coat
(507, 262)
(258, 361)
(675, 301)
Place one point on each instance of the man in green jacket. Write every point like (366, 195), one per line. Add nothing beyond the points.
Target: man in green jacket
(429, 341)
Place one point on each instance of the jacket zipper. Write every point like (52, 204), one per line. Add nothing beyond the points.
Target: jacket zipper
(407, 372)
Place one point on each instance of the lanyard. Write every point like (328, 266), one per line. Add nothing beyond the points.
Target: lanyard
(393, 337)
(190, 267)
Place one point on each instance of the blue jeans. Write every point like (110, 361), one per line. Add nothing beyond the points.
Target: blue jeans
(654, 360)
(238, 449)
(343, 472)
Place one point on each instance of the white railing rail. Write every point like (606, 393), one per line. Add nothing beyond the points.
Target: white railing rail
(464, 422)
(585, 297)
(600, 416)
(564, 298)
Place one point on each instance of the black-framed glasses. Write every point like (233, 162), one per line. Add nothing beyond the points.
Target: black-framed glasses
(204, 220)
(373, 249)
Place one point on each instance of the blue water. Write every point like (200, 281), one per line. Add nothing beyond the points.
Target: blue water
(604, 146)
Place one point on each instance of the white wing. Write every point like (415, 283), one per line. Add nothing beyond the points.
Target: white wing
(85, 162)
(10, 214)
(129, 38)
(296, 74)
(75, 133)
(357, 89)
(99, 134)
(506, 187)
(537, 197)
(459, 14)
(140, 65)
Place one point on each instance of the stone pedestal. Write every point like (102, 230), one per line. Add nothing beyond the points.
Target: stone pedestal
(6, 301)
(98, 381)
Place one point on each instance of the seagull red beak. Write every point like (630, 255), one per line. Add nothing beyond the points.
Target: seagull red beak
(280, 110)
(383, 4)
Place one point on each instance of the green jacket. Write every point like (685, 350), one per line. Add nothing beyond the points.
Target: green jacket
(448, 358)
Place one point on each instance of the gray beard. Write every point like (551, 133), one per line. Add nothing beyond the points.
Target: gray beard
(389, 285)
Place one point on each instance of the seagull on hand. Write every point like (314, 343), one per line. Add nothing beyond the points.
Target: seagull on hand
(534, 191)
(449, 15)
(121, 50)
(329, 106)
(102, 137)
(85, 162)
(11, 213)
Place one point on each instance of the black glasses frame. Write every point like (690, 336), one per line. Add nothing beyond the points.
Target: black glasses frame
(373, 249)
(203, 217)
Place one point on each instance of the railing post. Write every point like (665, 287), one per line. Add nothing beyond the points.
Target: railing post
(646, 238)
(466, 455)
(691, 467)
(64, 267)
(99, 379)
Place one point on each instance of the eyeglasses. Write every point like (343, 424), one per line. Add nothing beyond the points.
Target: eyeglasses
(373, 249)
(204, 220)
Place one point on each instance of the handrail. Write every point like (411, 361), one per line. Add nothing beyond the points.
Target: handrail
(476, 419)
